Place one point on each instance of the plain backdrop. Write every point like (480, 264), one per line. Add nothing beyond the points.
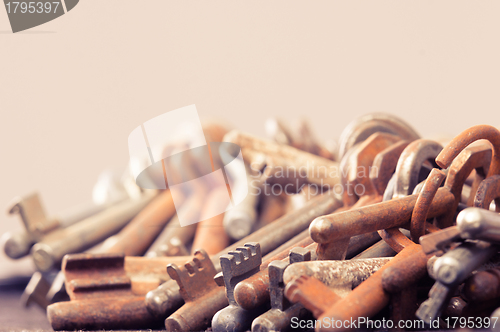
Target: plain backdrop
(72, 90)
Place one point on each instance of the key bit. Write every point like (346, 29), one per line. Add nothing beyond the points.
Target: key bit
(314, 295)
(236, 266)
(276, 281)
(33, 215)
(57, 291)
(202, 296)
(44, 289)
(254, 291)
(450, 270)
(192, 275)
(36, 223)
(109, 275)
(282, 312)
(36, 291)
(430, 309)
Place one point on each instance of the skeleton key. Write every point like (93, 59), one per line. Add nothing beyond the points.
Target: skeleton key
(107, 192)
(450, 270)
(281, 313)
(86, 233)
(109, 275)
(236, 266)
(133, 239)
(202, 296)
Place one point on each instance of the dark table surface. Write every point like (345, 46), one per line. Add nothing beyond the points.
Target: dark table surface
(15, 317)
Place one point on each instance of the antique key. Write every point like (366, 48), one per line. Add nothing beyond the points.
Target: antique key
(236, 266)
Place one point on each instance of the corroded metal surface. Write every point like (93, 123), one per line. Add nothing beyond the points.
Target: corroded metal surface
(314, 295)
(460, 142)
(423, 203)
(341, 275)
(487, 192)
(101, 314)
(361, 128)
(111, 275)
(202, 295)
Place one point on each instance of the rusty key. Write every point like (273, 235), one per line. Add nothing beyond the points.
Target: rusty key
(107, 192)
(285, 164)
(202, 296)
(210, 234)
(109, 275)
(281, 313)
(314, 295)
(83, 235)
(236, 266)
(135, 238)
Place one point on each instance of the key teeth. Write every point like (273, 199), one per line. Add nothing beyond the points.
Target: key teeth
(299, 254)
(190, 268)
(250, 252)
(254, 248)
(237, 257)
(174, 272)
(197, 263)
(293, 291)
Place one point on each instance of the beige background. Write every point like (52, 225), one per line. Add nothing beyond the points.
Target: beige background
(72, 90)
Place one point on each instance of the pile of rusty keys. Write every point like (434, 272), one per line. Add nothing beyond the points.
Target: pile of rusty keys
(383, 231)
